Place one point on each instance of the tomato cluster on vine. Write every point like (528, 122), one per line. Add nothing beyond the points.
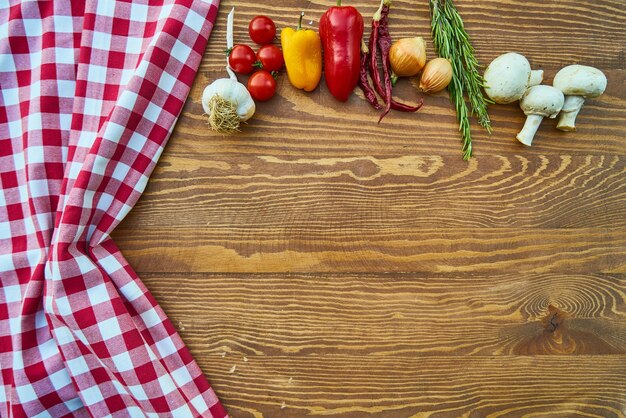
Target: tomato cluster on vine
(264, 64)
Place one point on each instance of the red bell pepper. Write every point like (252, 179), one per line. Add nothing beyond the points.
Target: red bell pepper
(341, 30)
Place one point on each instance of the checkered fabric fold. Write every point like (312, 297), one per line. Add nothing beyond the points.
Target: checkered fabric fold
(89, 94)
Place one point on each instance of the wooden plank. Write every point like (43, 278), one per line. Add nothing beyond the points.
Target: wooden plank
(548, 33)
(396, 314)
(300, 124)
(350, 129)
(318, 263)
(416, 386)
(407, 191)
(299, 248)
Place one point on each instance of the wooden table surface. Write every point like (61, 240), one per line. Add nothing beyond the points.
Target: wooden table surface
(321, 264)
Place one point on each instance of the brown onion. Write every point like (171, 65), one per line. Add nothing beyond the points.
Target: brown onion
(408, 56)
(436, 76)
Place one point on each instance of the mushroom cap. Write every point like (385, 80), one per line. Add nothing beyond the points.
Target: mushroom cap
(545, 101)
(506, 78)
(580, 80)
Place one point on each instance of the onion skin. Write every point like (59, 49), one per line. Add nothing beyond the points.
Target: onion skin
(436, 76)
(407, 56)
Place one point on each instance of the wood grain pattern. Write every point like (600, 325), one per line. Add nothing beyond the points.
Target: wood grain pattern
(392, 314)
(415, 386)
(301, 248)
(320, 264)
(350, 129)
(406, 191)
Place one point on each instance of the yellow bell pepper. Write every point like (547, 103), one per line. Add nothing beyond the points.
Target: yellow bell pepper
(302, 50)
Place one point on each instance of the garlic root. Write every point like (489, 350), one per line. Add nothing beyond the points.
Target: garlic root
(223, 115)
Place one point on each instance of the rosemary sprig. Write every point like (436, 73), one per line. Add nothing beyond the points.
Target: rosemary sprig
(452, 42)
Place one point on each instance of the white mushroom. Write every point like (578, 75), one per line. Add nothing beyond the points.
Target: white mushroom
(577, 82)
(508, 77)
(536, 77)
(538, 102)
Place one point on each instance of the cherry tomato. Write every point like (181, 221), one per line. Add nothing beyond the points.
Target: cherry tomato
(261, 86)
(262, 30)
(241, 59)
(271, 58)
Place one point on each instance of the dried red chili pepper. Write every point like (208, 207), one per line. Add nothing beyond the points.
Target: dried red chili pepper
(341, 30)
(370, 63)
(368, 91)
(384, 45)
(364, 83)
(373, 47)
(405, 107)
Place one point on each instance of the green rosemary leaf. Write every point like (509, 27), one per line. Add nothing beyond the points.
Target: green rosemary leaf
(452, 42)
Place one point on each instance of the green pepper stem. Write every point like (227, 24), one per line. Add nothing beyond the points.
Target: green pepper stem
(377, 15)
(300, 21)
(394, 78)
(379, 11)
(339, 3)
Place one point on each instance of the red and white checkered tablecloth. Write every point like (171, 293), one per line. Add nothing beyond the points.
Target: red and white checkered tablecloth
(89, 94)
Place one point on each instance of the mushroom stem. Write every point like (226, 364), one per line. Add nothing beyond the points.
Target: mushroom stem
(536, 77)
(567, 120)
(529, 130)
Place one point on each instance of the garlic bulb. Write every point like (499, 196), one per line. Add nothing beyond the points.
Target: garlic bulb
(436, 76)
(233, 92)
(407, 56)
(226, 101)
